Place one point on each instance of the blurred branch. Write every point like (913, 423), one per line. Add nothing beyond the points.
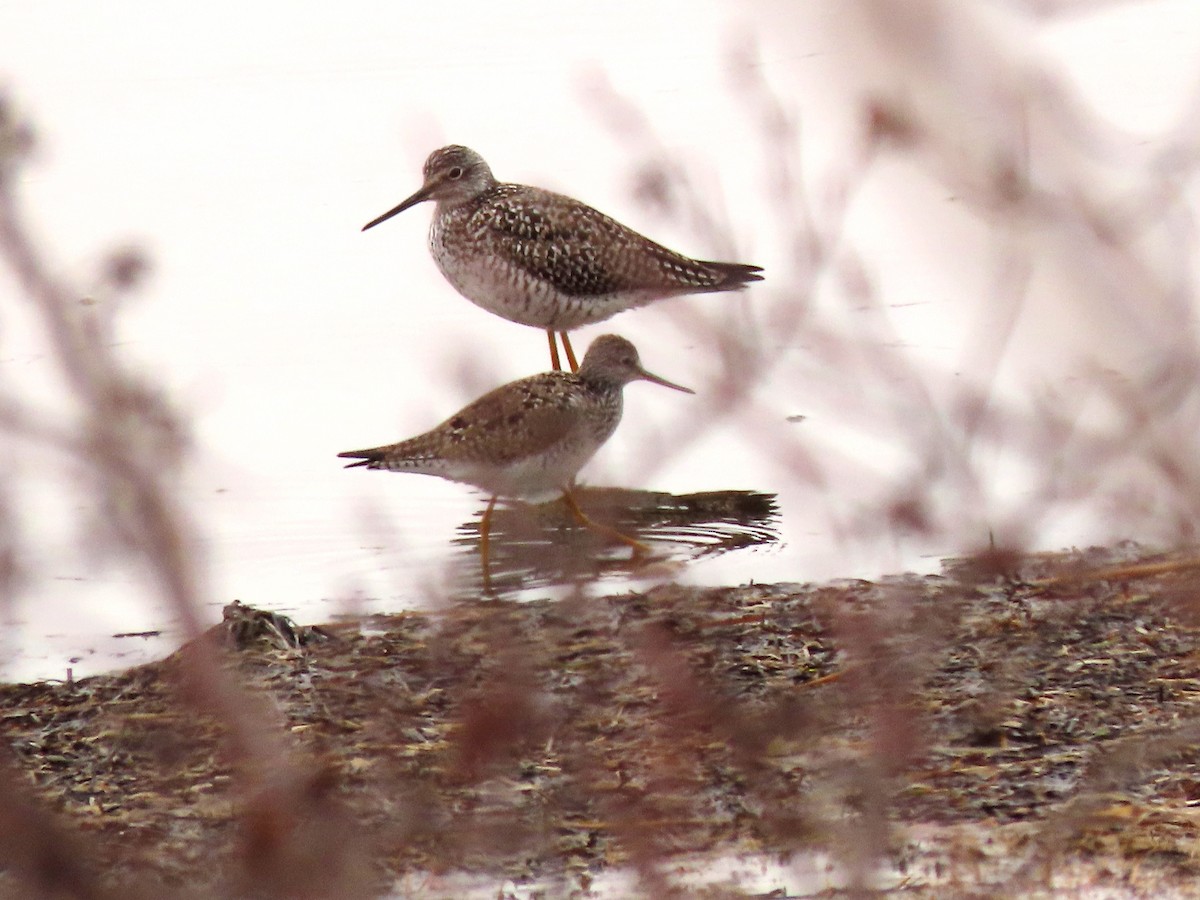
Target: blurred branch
(133, 444)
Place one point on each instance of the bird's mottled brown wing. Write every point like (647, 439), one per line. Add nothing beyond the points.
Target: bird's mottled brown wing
(521, 419)
(584, 253)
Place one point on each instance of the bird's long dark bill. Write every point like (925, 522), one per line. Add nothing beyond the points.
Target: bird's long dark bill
(419, 196)
(654, 379)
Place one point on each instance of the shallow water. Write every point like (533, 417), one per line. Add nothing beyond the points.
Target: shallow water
(877, 405)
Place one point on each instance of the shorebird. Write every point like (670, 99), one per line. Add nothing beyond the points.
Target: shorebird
(546, 260)
(527, 439)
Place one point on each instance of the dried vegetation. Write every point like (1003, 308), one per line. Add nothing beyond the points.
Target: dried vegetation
(1022, 724)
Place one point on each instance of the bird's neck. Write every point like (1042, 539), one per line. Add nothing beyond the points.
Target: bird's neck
(600, 385)
(467, 201)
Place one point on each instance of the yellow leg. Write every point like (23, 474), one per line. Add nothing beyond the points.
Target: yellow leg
(485, 531)
(570, 353)
(554, 363)
(638, 547)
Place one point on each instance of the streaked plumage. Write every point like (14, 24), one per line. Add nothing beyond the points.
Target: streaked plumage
(543, 259)
(528, 438)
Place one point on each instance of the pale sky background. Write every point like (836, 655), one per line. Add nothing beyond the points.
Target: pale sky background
(243, 145)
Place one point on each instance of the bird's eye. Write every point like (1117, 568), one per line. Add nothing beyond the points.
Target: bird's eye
(455, 173)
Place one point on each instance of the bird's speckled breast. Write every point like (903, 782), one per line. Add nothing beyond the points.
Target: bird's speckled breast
(542, 476)
(489, 280)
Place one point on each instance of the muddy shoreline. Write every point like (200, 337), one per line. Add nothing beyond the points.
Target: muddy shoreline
(1007, 719)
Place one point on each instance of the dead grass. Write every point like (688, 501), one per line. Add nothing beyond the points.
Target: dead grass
(1022, 724)
(1057, 716)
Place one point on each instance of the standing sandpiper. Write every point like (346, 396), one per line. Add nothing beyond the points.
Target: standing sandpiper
(542, 259)
(528, 438)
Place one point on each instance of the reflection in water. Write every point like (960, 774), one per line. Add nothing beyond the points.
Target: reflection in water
(543, 545)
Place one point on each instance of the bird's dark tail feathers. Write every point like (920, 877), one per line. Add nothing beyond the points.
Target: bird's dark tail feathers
(368, 458)
(734, 275)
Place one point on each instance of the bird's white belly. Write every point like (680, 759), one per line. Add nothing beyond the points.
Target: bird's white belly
(535, 478)
(514, 294)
